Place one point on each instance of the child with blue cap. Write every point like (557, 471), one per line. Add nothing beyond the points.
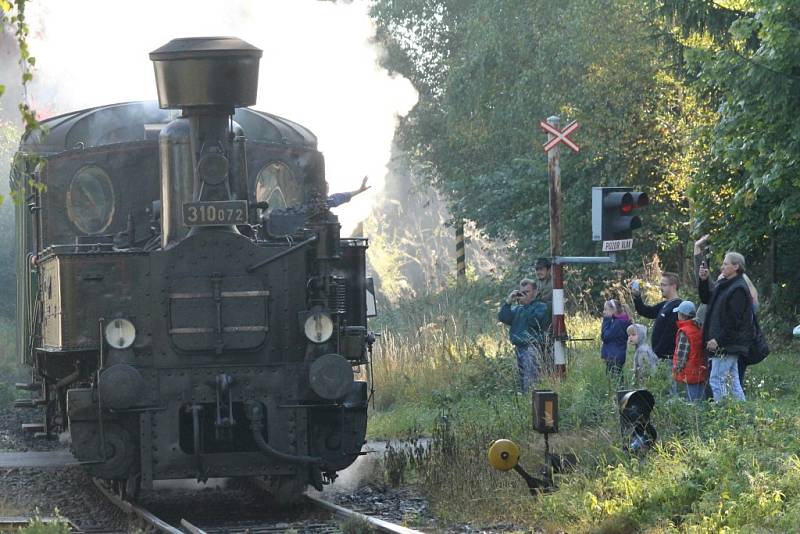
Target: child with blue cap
(689, 364)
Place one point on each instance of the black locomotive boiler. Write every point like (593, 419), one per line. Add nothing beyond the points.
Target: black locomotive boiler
(185, 300)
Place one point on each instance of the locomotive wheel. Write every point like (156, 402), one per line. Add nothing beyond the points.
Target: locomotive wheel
(118, 488)
(120, 454)
(132, 486)
(285, 490)
(127, 489)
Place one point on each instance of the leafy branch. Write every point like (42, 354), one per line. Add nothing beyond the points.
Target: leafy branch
(13, 13)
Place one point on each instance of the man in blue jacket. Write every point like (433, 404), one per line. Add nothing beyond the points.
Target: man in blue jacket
(529, 320)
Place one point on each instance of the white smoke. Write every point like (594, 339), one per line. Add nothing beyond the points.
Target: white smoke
(319, 69)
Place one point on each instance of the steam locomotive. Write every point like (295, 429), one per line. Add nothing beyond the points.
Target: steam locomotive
(185, 300)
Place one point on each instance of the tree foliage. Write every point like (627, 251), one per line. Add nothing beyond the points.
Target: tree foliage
(693, 100)
(12, 14)
(747, 63)
(488, 71)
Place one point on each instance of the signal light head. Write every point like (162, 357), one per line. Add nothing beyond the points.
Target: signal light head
(613, 211)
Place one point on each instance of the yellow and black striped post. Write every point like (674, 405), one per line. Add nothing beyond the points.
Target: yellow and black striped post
(461, 267)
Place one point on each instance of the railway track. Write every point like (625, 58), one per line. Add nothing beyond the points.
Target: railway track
(316, 516)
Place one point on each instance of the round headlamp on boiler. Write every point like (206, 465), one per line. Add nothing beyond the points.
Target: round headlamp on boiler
(120, 333)
(318, 326)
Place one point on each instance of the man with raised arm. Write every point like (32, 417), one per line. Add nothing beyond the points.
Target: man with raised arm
(665, 325)
(337, 199)
(728, 328)
(664, 321)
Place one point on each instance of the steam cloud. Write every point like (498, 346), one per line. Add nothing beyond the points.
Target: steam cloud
(318, 69)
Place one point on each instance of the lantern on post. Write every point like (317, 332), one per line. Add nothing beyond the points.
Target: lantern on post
(545, 411)
(635, 407)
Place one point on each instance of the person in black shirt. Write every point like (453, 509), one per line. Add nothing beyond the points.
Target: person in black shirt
(664, 320)
(664, 327)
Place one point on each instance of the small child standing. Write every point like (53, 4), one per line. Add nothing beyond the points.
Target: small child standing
(614, 336)
(645, 360)
(689, 364)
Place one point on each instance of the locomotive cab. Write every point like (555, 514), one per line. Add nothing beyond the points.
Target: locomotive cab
(187, 304)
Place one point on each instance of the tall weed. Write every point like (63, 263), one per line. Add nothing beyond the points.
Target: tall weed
(445, 369)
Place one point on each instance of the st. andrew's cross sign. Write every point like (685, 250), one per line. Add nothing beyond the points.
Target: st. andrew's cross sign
(560, 136)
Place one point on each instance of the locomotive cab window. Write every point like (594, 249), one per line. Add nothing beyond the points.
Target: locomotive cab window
(277, 185)
(90, 200)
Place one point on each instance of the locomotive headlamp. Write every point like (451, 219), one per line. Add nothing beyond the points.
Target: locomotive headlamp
(120, 333)
(318, 327)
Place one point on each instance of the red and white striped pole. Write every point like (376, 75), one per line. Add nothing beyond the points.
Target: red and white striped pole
(554, 174)
(556, 136)
(559, 325)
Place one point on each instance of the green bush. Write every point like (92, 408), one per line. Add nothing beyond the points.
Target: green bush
(730, 467)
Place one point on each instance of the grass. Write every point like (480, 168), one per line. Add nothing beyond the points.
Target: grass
(444, 369)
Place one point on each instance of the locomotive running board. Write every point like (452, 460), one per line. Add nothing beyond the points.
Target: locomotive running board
(43, 460)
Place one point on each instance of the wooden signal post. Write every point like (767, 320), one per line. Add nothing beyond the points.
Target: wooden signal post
(555, 137)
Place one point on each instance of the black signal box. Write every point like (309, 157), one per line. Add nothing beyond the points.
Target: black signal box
(545, 411)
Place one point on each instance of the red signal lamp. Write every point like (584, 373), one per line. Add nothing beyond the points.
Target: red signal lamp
(613, 212)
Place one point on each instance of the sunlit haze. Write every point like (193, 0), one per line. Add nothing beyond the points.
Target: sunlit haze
(319, 69)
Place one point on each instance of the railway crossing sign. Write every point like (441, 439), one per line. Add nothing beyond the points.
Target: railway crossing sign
(560, 136)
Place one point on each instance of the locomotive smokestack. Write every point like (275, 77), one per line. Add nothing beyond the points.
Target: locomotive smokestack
(206, 78)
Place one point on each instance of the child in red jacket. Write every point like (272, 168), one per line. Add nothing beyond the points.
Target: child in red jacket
(689, 365)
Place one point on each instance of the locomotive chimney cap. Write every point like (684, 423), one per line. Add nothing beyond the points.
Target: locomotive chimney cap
(204, 47)
(206, 71)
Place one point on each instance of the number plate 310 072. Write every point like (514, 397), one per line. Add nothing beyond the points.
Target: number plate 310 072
(215, 213)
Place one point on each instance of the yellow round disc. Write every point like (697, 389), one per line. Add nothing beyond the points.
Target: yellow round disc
(503, 454)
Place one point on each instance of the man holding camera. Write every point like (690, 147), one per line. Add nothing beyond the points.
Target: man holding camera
(664, 320)
(665, 326)
(728, 328)
(528, 320)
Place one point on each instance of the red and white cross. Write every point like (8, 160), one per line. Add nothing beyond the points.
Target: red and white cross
(560, 136)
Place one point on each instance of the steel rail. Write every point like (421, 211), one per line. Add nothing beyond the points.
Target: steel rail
(130, 508)
(190, 528)
(379, 524)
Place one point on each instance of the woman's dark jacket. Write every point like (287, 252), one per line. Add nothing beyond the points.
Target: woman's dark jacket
(729, 318)
(614, 334)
